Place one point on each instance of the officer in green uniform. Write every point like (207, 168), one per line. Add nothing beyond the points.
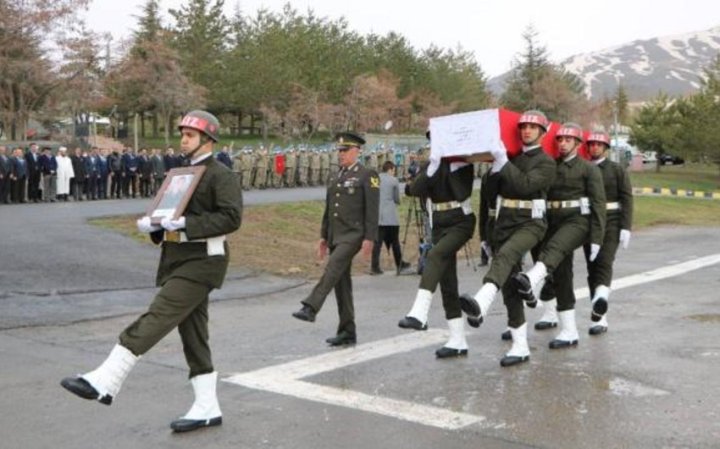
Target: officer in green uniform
(520, 224)
(619, 210)
(448, 185)
(194, 261)
(349, 224)
(576, 214)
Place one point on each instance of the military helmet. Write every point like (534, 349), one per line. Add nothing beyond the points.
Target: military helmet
(599, 136)
(535, 117)
(202, 121)
(570, 129)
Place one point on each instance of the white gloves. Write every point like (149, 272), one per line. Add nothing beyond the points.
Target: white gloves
(499, 158)
(173, 225)
(625, 238)
(594, 250)
(144, 225)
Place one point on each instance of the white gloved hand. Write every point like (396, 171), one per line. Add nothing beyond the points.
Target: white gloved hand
(173, 225)
(594, 250)
(144, 225)
(625, 238)
(500, 158)
(486, 247)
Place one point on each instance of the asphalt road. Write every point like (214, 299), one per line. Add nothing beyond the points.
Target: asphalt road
(67, 289)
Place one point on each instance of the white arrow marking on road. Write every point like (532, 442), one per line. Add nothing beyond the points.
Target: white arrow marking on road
(285, 378)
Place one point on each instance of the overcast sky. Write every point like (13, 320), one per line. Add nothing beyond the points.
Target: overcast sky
(490, 29)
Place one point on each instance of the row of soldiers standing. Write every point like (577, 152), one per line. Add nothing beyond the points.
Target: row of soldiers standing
(261, 169)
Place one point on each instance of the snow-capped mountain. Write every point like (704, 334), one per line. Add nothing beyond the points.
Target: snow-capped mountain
(671, 64)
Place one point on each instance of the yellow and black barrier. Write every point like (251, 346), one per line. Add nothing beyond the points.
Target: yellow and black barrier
(684, 193)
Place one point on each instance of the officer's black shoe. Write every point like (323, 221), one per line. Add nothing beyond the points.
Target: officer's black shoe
(469, 305)
(186, 425)
(524, 289)
(560, 344)
(82, 388)
(306, 314)
(374, 271)
(600, 307)
(545, 325)
(341, 339)
(510, 360)
(404, 265)
(506, 336)
(446, 353)
(474, 321)
(598, 329)
(412, 323)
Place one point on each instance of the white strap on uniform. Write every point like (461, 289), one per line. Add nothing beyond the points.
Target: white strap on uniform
(215, 245)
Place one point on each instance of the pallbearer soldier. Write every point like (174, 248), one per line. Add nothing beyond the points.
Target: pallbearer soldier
(194, 261)
(520, 224)
(449, 187)
(576, 214)
(619, 210)
(349, 224)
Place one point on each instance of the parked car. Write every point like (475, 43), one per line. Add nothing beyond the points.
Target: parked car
(669, 159)
(649, 157)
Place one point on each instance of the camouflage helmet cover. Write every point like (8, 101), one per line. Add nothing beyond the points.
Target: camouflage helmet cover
(202, 121)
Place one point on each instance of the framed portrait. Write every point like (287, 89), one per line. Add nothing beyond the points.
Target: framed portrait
(174, 194)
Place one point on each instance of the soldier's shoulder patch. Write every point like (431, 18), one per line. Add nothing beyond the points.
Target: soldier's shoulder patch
(374, 182)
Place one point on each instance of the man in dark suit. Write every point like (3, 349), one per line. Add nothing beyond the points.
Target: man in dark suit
(349, 224)
(33, 173)
(116, 174)
(224, 157)
(103, 173)
(5, 170)
(48, 167)
(18, 177)
(77, 184)
(130, 169)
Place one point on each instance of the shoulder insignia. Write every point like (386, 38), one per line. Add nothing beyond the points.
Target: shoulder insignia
(374, 182)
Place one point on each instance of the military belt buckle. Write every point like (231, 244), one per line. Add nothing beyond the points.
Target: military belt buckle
(172, 236)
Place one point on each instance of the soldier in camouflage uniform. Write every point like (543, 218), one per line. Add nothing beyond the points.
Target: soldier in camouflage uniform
(193, 262)
(303, 167)
(334, 167)
(247, 163)
(261, 168)
(576, 214)
(290, 167)
(349, 224)
(324, 167)
(520, 224)
(314, 168)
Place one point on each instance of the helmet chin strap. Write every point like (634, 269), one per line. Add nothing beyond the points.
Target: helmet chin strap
(203, 141)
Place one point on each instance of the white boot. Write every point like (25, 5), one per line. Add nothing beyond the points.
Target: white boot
(568, 335)
(456, 345)
(110, 375)
(519, 352)
(485, 297)
(205, 411)
(549, 319)
(417, 318)
(600, 327)
(477, 307)
(600, 302)
(536, 275)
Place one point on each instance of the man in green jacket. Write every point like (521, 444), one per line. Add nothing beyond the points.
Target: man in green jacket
(194, 261)
(619, 207)
(576, 214)
(520, 224)
(349, 224)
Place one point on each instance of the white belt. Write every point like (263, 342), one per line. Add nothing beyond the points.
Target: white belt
(613, 206)
(215, 245)
(439, 207)
(563, 204)
(516, 204)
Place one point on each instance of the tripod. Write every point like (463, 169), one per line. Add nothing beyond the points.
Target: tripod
(416, 212)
